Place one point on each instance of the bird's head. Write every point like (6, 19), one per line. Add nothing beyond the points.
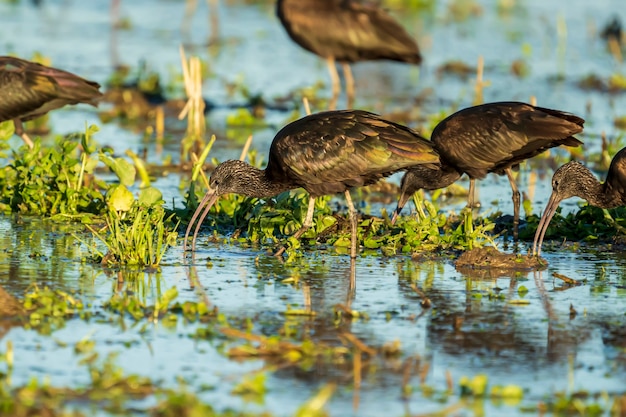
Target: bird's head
(231, 176)
(571, 180)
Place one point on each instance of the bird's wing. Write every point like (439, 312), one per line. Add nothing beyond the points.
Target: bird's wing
(348, 31)
(350, 147)
(494, 136)
(29, 89)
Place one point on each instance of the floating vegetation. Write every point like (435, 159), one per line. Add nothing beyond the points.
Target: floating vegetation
(48, 310)
(589, 224)
(137, 232)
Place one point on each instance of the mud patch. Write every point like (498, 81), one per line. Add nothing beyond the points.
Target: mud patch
(489, 257)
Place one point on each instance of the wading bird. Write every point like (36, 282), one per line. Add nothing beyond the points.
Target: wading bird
(324, 153)
(575, 180)
(346, 31)
(29, 90)
(492, 137)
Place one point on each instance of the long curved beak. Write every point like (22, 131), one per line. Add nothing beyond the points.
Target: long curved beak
(209, 199)
(553, 204)
(404, 198)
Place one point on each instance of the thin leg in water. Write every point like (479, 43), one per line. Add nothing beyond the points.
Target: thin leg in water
(334, 77)
(347, 75)
(516, 202)
(352, 283)
(19, 130)
(471, 204)
(352, 224)
(308, 221)
(471, 195)
(214, 21)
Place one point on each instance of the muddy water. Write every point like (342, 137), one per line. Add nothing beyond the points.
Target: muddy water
(539, 345)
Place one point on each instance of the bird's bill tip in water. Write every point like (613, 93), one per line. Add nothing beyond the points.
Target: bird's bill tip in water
(404, 198)
(396, 214)
(201, 212)
(550, 210)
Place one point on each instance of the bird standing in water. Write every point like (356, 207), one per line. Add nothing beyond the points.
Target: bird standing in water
(346, 31)
(29, 90)
(492, 137)
(575, 180)
(324, 153)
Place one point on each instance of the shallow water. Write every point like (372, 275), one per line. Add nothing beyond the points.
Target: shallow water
(538, 346)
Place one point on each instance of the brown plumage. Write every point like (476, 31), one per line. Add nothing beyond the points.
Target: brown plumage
(575, 180)
(29, 90)
(324, 153)
(346, 31)
(492, 137)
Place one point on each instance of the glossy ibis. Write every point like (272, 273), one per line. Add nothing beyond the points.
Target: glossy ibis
(346, 31)
(324, 153)
(29, 90)
(575, 180)
(491, 137)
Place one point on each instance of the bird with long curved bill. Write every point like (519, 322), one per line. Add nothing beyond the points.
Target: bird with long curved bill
(575, 180)
(324, 153)
(492, 137)
(29, 90)
(346, 31)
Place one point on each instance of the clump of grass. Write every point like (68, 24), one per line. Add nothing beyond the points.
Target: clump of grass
(194, 109)
(137, 232)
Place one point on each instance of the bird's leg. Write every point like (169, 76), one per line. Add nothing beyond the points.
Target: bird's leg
(214, 21)
(115, 13)
(308, 221)
(347, 75)
(334, 77)
(352, 224)
(516, 202)
(306, 295)
(351, 284)
(471, 193)
(19, 130)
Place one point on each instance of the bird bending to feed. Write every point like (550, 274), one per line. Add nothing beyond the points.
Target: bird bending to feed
(324, 153)
(492, 137)
(346, 31)
(29, 90)
(575, 180)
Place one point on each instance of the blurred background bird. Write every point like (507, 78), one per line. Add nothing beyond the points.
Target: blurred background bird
(29, 90)
(346, 31)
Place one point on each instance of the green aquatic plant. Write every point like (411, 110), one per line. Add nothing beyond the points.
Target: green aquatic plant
(60, 181)
(589, 224)
(48, 310)
(138, 231)
(52, 181)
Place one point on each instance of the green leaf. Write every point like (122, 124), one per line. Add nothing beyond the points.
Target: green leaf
(7, 129)
(150, 196)
(124, 170)
(120, 199)
(86, 141)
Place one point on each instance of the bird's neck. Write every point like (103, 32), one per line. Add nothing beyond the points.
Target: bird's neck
(596, 193)
(257, 183)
